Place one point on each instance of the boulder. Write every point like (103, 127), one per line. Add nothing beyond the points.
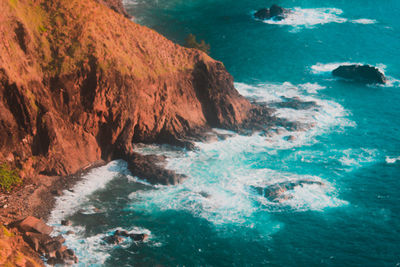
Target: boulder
(32, 224)
(36, 235)
(152, 168)
(275, 12)
(361, 73)
(139, 237)
(35, 240)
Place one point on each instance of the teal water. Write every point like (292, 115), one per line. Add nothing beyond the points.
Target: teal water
(351, 145)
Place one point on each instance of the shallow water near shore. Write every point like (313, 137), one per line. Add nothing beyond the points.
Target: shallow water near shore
(347, 149)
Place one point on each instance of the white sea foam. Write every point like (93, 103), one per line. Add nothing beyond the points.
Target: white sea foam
(310, 17)
(321, 68)
(91, 250)
(348, 159)
(364, 21)
(70, 201)
(390, 160)
(219, 185)
(325, 116)
(357, 157)
(219, 188)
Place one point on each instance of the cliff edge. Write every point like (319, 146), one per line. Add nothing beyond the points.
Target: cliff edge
(79, 83)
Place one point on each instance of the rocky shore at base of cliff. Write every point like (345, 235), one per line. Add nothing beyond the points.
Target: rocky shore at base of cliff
(76, 93)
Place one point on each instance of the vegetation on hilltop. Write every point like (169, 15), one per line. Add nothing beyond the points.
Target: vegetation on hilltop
(191, 42)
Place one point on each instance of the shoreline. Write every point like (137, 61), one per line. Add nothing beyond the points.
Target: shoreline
(37, 198)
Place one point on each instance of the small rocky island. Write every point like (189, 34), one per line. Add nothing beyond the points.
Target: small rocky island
(361, 73)
(275, 12)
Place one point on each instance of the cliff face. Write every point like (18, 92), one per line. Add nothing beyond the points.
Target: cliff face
(79, 82)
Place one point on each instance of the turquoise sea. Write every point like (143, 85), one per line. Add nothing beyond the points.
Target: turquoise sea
(351, 147)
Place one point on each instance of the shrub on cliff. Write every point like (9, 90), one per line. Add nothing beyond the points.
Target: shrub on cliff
(191, 42)
(8, 177)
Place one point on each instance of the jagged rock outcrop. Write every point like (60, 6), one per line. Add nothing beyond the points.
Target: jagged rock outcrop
(275, 12)
(37, 235)
(79, 83)
(361, 73)
(115, 5)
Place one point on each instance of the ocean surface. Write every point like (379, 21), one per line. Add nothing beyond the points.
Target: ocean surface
(349, 215)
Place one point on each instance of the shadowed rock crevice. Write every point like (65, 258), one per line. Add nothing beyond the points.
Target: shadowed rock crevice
(22, 36)
(89, 85)
(41, 140)
(16, 103)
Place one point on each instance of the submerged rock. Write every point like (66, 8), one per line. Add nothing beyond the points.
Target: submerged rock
(66, 223)
(361, 73)
(118, 237)
(276, 192)
(274, 12)
(296, 103)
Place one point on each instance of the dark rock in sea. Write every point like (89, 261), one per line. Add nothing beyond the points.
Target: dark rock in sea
(118, 237)
(204, 194)
(361, 73)
(276, 192)
(66, 222)
(275, 12)
(151, 168)
(139, 237)
(295, 103)
(291, 138)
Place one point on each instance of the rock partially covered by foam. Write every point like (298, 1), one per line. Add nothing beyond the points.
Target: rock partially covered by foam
(275, 12)
(361, 73)
(119, 235)
(276, 192)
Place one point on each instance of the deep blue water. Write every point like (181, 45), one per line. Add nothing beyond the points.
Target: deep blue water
(351, 145)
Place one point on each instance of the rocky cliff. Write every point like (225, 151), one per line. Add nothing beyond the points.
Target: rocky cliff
(80, 82)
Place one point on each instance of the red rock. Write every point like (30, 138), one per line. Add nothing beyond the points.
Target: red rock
(112, 84)
(32, 224)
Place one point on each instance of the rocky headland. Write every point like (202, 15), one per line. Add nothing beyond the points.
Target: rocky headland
(80, 83)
